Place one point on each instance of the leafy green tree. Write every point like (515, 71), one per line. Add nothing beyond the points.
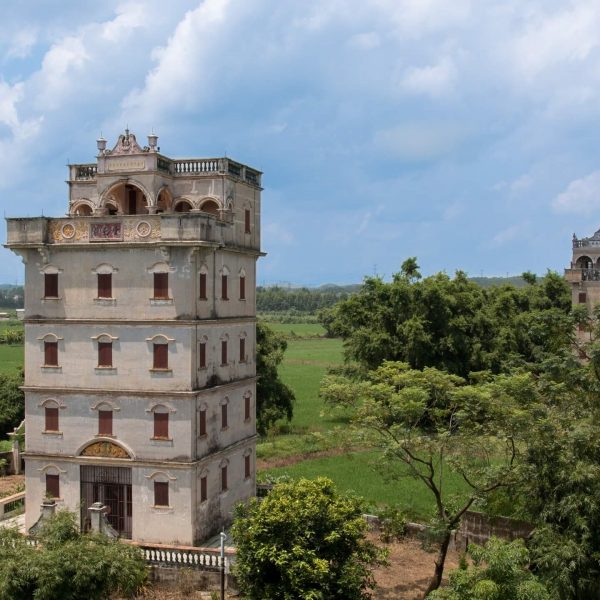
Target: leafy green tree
(452, 323)
(500, 571)
(12, 402)
(275, 400)
(304, 540)
(67, 565)
(425, 422)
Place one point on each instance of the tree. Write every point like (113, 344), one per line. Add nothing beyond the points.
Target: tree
(499, 572)
(12, 402)
(275, 400)
(67, 565)
(425, 422)
(304, 540)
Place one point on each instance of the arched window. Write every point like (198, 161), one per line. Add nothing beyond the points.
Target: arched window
(183, 206)
(210, 207)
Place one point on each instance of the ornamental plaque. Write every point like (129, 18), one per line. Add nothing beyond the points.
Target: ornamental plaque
(105, 450)
(128, 164)
(102, 232)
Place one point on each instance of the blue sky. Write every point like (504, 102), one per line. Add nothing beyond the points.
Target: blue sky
(465, 133)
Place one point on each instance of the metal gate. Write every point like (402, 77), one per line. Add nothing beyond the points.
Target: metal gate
(112, 487)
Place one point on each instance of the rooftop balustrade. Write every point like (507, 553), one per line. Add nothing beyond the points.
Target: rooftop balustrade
(574, 275)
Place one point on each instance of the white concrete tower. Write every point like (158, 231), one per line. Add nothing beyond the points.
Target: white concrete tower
(140, 342)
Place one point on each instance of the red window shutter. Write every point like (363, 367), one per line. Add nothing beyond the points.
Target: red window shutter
(247, 466)
(51, 354)
(246, 221)
(51, 418)
(104, 285)
(161, 425)
(161, 493)
(161, 356)
(224, 287)
(582, 297)
(223, 416)
(105, 422)
(223, 478)
(161, 286)
(202, 286)
(242, 287)
(202, 355)
(203, 489)
(223, 352)
(202, 422)
(52, 486)
(242, 350)
(247, 408)
(51, 285)
(105, 354)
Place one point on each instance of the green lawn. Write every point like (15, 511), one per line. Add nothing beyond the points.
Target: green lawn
(11, 358)
(354, 471)
(299, 329)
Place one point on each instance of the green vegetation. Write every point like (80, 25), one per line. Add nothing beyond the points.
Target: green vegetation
(295, 330)
(12, 402)
(298, 300)
(357, 472)
(11, 297)
(500, 571)
(304, 540)
(11, 359)
(68, 565)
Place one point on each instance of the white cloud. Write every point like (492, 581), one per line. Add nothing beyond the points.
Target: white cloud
(366, 41)
(582, 196)
(433, 80)
(506, 235)
(22, 43)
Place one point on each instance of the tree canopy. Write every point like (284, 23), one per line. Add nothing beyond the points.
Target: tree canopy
(275, 400)
(452, 323)
(67, 565)
(304, 540)
(12, 402)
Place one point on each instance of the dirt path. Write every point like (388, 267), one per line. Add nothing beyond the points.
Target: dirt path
(11, 484)
(287, 461)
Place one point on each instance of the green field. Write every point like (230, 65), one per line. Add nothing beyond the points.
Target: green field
(355, 472)
(11, 358)
(299, 329)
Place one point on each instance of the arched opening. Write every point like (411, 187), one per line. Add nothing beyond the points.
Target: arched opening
(584, 262)
(183, 206)
(83, 210)
(163, 203)
(210, 207)
(127, 199)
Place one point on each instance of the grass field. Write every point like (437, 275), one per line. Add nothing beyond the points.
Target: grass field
(298, 329)
(355, 472)
(11, 358)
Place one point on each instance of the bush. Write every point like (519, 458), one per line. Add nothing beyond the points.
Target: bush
(393, 524)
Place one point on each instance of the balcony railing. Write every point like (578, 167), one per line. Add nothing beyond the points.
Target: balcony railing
(12, 505)
(181, 167)
(585, 243)
(574, 275)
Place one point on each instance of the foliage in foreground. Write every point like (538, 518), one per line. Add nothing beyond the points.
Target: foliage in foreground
(12, 402)
(68, 565)
(304, 540)
(275, 400)
(499, 572)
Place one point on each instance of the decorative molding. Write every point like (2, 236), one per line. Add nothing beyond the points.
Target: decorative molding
(104, 449)
(45, 254)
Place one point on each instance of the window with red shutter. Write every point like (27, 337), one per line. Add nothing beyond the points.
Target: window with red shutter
(242, 287)
(582, 297)
(202, 355)
(105, 354)
(203, 489)
(246, 221)
(51, 413)
(52, 486)
(161, 286)
(202, 422)
(224, 478)
(161, 425)
(247, 408)
(247, 466)
(105, 422)
(161, 356)
(224, 287)
(202, 286)
(104, 285)
(161, 493)
(242, 350)
(51, 354)
(223, 416)
(51, 285)
(223, 352)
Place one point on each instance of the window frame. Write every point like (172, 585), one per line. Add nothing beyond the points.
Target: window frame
(224, 286)
(51, 285)
(161, 494)
(160, 356)
(202, 423)
(104, 286)
(105, 355)
(53, 485)
(242, 287)
(51, 417)
(247, 217)
(203, 488)
(161, 285)
(224, 485)
(224, 353)
(160, 426)
(105, 422)
(51, 353)
(203, 289)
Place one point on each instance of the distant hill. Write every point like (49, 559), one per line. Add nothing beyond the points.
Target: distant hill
(486, 282)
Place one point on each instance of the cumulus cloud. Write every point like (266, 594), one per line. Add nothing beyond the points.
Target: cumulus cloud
(433, 80)
(22, 42)
(581, 196)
